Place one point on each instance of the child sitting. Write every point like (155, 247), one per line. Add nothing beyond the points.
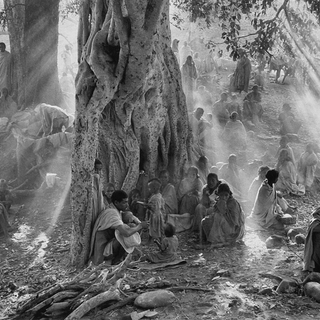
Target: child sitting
(155, 209)
(168, 247)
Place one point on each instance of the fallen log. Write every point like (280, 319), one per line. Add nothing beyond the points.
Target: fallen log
(121, 303)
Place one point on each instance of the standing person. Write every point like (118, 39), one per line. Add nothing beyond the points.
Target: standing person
(6, 68)
(185, 51)
(307, 165)
(104, 245)
(156, 208)
(175, 49)
(67, 60)
(97, 192)
(189, 76)
(169, 194)
(241, 77)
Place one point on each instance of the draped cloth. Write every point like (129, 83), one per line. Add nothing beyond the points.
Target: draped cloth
(241, 77)
(170, 198)
(156, 203)
(103, 234)
(287, 179)
(306, 168)
(188, 193)
(225, 224)
(168, 253)
(311, 260)
(266, 207)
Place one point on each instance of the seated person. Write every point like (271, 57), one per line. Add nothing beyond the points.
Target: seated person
(284, 144)
(189, 191)
(199, 126)
(288, 175)
(107, 194)
(252, 108)
(235, 133)
(220, 111)
(269, 206)
(225, 224)
(5, 195)
(230, 172)
(288, 122)
(104, 245)
(168, 246)
(256, 184)
(203, 165)
(307, 166)
(138, 209)
(169, 194)
(208, 199)
(311, 261)
(203, 97)
(234, 106)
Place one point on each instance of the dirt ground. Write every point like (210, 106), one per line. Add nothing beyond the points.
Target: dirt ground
(37, 255)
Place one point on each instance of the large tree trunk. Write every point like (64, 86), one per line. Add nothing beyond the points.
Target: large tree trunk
(129, 102)
(33, 30)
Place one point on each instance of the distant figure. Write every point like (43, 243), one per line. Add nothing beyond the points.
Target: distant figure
(198, 63)
(68, 91)
(203, 98)
(284, 144)
(234, 133)
(307, 166)
(67, 60)
(189, 77)
(225, 225)
(185, 51)
(288, 122)
(219, 109)
(5, 68)
(230, 172)
(252, 108)
(175, 49)
(288, 175)
(8, 106)
(240, 80)
(234, 106)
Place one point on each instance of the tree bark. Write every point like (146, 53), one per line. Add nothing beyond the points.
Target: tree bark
(129, 102)
(33, 30)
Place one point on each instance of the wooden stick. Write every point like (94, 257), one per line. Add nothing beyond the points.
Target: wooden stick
(112, 294)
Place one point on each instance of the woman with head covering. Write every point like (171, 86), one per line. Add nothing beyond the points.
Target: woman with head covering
(189, 191)
(288, 175)
(268, 207)
(169, 195)
(225, 225)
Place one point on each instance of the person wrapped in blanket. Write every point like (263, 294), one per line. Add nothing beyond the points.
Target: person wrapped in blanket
(225, 224)
(104, 245)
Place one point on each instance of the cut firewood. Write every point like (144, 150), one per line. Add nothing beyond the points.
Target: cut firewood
(85, 307)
